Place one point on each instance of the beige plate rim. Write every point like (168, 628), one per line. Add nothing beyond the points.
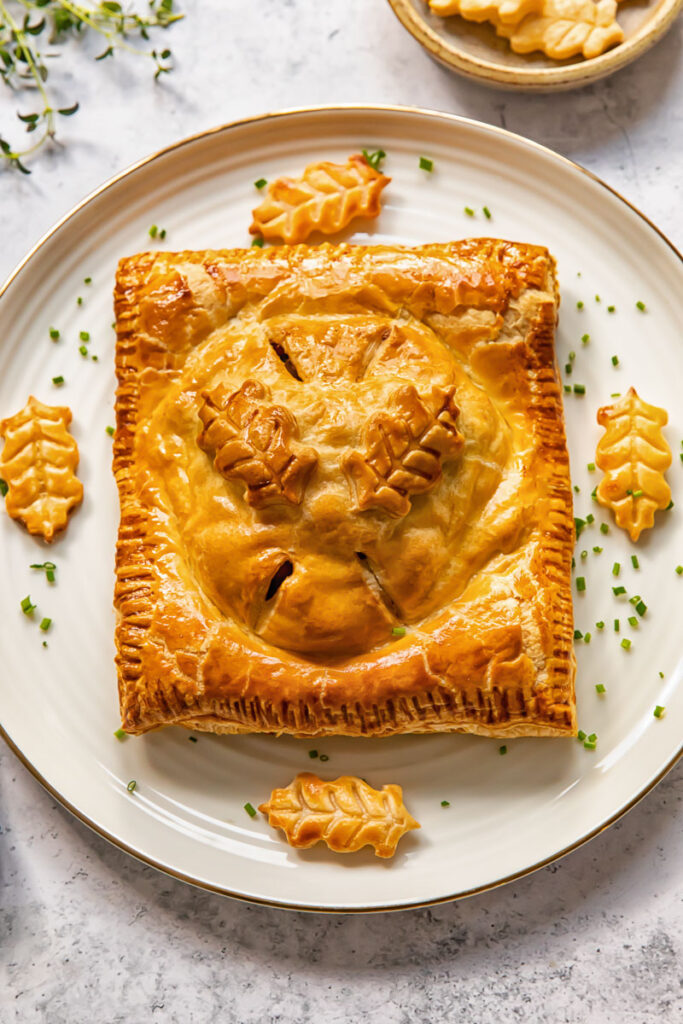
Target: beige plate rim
(565, 76)
(189, 140)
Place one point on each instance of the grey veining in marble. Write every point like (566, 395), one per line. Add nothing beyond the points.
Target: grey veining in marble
(87, 934)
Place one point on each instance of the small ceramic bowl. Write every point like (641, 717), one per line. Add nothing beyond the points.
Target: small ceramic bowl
(474, 50)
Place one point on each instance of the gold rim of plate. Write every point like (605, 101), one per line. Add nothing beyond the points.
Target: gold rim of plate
(115, 840)
(534, 78)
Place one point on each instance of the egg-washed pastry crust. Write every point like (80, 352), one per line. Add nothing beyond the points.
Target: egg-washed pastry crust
(345, 495)
(346, 814)
(38, 463)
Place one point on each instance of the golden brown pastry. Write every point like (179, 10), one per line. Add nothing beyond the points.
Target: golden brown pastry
(39, 463)
(566, 28)
(326, 198)
(503, 11)
(633, 455)
(345, 495)
(346, 814)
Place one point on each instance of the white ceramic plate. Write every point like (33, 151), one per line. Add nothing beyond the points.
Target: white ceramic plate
(507, 814)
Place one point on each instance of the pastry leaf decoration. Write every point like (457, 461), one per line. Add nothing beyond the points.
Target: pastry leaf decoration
(346, 814)
(39, 463)
(256, 442)
(326, 198)
(565, 28)
(405, 448)
(506, 11)
(633, 456)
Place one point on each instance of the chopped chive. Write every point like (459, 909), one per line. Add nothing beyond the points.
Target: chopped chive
(615, 360)
(445, 803)
(587, 638)
(487, 212)
(578, 635)
(83, 350)
(153, 231)
(594, 494)
(54, 334)
(572, 357)
(626, 644)
(585, 338)
(398, 631)
(84, 336)
(324, 757)
(641, 608)
(47, 567)
(661, 675)
(616, 626)
(634, 562)
(573, 563)
(679, 568)
(616, 569)
(162, 233)
(581, 735)
(590, 518)
(58, 381)
(568, 369)
(121, 734)
(629, 492)
(600, 625)
(597, 298)
(261, 183)
(4, 487)
(579, 389)
(568, 388)
(637, 494)
(680, 455)
(604, 528)
(669, 506)
(26, 606)
(580, 583)
(250, 810)
(597, 550)
(591, 467)
(611, 309)
(87, 280)
(426, 164)
(632, 621)
(313, 753)
(592, 738)
(79, 301)
(469, 211)
(374, 159)
(584, 554)
(258, 241)
(659, 711)
(579, 304)
(192, 739)
(615, 394)
(600, 688)
(94, 358)
(641, 306)
(503, 749)
(45, 624)
(579, 524)
(618, 590)
(590, 744)
(577, 489)
(110, 431)
(132, 785)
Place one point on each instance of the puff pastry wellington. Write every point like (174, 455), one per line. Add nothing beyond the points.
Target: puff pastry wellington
(345, 495)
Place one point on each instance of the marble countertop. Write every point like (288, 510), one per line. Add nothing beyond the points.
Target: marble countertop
(87, 934)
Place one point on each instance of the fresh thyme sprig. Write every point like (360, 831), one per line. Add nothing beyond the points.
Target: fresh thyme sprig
(23, 62)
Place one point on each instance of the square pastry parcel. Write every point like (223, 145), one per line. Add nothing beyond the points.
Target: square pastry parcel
(345, 494)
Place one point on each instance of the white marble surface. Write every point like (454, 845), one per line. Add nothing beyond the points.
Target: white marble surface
(88, 934)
